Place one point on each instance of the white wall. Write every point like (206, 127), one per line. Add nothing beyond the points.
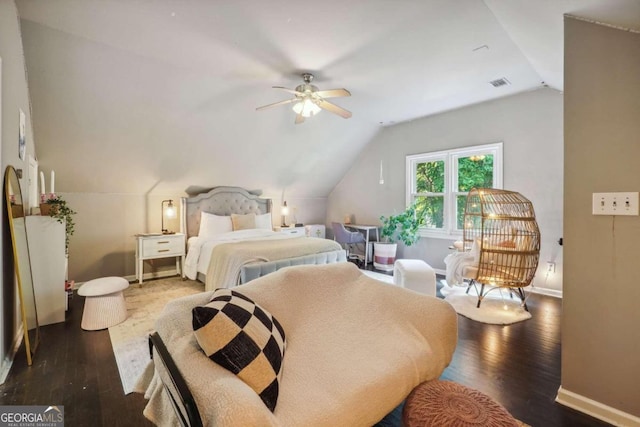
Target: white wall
(14, 96)
(530, 126)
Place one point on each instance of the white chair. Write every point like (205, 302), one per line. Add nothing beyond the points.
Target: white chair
(328, 313)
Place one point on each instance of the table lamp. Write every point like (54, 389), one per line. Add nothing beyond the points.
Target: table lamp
(170, 212)
(284, 211)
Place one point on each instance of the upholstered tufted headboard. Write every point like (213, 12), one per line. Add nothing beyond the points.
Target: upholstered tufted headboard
(219, 201)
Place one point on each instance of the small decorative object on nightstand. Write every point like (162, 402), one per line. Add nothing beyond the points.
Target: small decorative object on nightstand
(298, 231)
(152, 246)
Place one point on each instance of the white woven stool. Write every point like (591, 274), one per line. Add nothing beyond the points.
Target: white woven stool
(416, 275)
(104, 304)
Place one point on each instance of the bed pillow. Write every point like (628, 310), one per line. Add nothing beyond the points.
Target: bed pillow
(243, 222)
(212, 225)
(264, 221)
(244, 338)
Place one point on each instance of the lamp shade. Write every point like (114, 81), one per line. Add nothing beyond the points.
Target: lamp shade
(169, 212)
(306, 108)
(284, 211)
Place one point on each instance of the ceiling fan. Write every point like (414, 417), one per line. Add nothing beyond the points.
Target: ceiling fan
(309, 101)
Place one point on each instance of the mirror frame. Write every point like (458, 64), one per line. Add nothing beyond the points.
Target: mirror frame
(30, 344)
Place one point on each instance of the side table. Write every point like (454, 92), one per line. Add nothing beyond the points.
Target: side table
(153, 246)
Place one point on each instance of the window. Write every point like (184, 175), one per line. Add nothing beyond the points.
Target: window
(439, 183)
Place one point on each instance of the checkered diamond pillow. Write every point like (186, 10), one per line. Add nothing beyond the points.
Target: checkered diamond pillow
(244, 338)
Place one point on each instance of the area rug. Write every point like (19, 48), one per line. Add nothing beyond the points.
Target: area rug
(497, 308)
(144, 304)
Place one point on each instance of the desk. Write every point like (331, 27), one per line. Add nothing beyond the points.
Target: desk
(366, 229)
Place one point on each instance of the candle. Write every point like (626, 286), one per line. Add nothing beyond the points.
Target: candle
(42, 190)
(53, 180)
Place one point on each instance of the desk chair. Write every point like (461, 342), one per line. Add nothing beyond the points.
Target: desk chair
(345, 237)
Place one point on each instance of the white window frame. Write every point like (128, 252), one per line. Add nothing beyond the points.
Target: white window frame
(450, 158)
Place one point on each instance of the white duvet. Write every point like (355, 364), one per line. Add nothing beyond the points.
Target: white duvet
(199, 249)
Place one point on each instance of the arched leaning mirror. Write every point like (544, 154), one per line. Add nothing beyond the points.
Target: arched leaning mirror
(21, 260)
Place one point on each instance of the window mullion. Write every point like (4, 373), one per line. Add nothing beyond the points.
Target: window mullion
(450, 172)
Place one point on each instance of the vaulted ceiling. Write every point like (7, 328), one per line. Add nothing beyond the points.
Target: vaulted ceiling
(157, 96)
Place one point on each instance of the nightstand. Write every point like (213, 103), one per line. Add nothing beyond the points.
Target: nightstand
(153, 246)
(298, 231)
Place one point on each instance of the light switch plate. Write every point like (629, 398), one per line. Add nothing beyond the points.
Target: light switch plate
(615, 203)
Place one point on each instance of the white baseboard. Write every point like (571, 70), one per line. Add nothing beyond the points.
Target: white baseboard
(155, 275)
(8, 360)
(543, 291)
(596, 409)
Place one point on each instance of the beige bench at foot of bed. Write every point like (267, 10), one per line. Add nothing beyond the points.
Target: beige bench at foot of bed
(253, 271)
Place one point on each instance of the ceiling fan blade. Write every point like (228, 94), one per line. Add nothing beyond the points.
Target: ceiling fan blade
(326, 105)
(295, 92)
(286, 101)
(332, 93)
(299, 119)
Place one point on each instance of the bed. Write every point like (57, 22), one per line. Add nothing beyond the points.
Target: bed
(223, 250)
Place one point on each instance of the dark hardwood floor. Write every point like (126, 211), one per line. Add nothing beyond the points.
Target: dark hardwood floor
(77, 369)
(518, 365)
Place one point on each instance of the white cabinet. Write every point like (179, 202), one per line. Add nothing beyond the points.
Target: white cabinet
(152, 246)
(45, 237)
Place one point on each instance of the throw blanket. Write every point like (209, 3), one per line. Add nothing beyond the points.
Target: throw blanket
(456, 262)
(228, 259)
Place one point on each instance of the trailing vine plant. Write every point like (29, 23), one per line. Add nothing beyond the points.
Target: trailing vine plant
(63, 214)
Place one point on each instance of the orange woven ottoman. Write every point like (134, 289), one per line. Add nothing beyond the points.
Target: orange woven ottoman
(445, 403)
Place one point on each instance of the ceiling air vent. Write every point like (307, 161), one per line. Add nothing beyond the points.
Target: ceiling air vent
(500, 82)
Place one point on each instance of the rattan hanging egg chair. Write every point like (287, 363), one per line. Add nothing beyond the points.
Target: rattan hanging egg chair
(500, 228)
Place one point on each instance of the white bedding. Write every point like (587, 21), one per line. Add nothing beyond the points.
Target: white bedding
(199, 249)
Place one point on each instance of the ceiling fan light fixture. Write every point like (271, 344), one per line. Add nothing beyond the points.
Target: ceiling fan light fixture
(308, 100)
(306, 108)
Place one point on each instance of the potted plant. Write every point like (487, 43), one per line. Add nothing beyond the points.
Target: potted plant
(56, 207)
(402, 227)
